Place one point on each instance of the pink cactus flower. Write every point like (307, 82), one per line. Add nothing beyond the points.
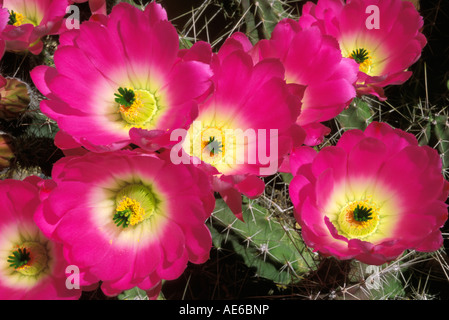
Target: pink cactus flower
(28, 21)
(382, 36)
(245, 128)
(32, 267)
(371, 197)
(314, 68)
(128, 218)
(110, 79)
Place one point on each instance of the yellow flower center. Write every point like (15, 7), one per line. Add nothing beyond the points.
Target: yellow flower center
(135, 203)
(207, 143)
(136, 107)
(29, 259)
(364, 58)
(220, 143)
(212, 145)
(129, 211)
(358, 219)
(15, 18)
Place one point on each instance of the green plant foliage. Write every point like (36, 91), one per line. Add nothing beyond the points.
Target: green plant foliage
(357, 116)
(133, 294)
(261, 16)
(264, 241)
(442, 134)
(378, 282)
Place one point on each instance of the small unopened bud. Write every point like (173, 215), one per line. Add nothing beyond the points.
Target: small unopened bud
(14, 98)
(415, 3)
(6, 152)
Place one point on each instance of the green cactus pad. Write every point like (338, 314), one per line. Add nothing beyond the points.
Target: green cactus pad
(264, 241)
(357, 116)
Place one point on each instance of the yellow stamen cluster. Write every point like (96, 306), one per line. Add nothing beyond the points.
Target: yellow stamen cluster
(24, 267)
(132, 112)
(18, 18)
(366, 66)
(364, 58)
(132, 210)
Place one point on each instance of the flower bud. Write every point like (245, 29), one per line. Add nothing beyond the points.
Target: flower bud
(14, 98)
(6, 153)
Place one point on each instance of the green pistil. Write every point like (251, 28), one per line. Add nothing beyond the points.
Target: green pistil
(360, 55)
(19, 258)
(214, 146)
(121, 218)
(12, 17)
(125, 97)
(362, 213)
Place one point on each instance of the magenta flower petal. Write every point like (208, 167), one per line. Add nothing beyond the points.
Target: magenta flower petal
(314, 62)
(147, 263)
(96, 6)
(315, 133)
(173, 270)
(330, 158)
(96, 44)
(233, 200)
(151, 140)
(45, 75)
(4, 18)
(68, 145)
(251, 186)
(196, 233)
(367, 157)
